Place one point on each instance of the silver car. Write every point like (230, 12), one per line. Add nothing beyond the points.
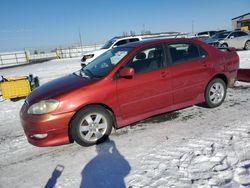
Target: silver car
(236, 39)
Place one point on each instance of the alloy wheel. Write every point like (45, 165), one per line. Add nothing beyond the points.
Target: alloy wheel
(216, 93)
(93, 127)
(247, 45)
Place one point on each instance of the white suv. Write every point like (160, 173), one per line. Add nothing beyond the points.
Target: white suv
(112, 43)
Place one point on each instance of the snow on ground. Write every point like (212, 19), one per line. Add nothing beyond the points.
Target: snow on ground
(244, 59)
(193, 147)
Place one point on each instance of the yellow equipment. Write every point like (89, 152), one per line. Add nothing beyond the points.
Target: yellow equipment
(18, 87)
(245, 28)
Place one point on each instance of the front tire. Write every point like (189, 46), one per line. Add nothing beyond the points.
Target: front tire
(215, 93)
(247, 45)
(91, 125)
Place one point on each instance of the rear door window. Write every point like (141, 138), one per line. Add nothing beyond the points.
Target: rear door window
(241, 34)
(183, 52)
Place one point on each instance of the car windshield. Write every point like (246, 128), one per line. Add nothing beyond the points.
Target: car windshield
(103, 64)
(220, 35)
(109, 43)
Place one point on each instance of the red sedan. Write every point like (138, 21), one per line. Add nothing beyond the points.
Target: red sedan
(127, 84)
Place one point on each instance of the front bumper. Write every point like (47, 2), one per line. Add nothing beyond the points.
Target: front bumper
(54, 126)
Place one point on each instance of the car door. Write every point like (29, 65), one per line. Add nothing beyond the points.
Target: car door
(231, 40)
(150, 87)
(241, 39)
(234, 40)
(189, 70)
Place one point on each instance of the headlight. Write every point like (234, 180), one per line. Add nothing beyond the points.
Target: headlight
(43, 107)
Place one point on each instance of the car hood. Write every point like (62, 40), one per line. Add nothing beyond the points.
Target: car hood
(58, 87)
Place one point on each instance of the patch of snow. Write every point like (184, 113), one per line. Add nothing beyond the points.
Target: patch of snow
(244, 58)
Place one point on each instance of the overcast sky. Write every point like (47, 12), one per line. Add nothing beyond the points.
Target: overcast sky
(51, 23)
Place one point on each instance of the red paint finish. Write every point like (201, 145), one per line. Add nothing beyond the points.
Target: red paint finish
(132, 98)
(144, 93)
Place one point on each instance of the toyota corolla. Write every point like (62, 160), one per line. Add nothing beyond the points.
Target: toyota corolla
(125, 85)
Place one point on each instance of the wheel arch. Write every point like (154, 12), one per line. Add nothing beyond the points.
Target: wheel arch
(221, 76)
(245, 44)
(110, 110)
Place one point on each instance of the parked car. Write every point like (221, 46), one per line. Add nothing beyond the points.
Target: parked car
(214, 40)
(236, 39)
(127, 84)
(112, 43)
(206, 33)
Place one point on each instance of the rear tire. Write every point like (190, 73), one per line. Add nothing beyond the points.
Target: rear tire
(224, 45)
(247, 45)
(91, 125)
(215, 93)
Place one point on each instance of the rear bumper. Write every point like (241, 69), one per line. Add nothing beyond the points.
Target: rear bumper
(55, 127)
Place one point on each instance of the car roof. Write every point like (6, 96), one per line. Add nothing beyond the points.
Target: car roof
(157, 41)
(207, 31)
(230, 32)
(122, 38)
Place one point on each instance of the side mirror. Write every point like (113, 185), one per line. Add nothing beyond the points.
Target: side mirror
(83, 65)
(127, 73)
(231, 37)
(114, 46)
